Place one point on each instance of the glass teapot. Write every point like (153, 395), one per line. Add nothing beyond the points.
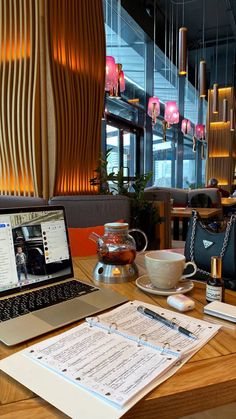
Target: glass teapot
(117, 246)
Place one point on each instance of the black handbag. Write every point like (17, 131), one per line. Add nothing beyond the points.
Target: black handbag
(201, 244)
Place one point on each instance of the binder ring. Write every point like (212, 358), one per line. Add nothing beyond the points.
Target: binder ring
(165, 347)
(142, 337)
(113, 326)
(174, 320)
(91, 320)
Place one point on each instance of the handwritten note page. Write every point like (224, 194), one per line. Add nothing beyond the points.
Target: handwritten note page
(102, 362)
(130, 322)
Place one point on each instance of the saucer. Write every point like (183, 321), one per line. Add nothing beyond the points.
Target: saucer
(144, 283)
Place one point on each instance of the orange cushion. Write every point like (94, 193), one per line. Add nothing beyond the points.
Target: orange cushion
(80, 244)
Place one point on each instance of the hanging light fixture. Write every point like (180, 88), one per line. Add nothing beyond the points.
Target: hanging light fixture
(215, 104)
(202, 65)
(115, 92)
(182, 47)
(185, 126)
(171, 113)
(200, 131)
(154, 108)
(118, 85)
(110, 73)
(122, 81)
(232, 120)
(225, 110)
(154, 102)
(202, 78)
(225, 101)
(182, 51)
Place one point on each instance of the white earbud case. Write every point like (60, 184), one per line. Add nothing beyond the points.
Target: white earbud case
(181, 302)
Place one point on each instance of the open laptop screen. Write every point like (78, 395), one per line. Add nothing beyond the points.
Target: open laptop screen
(34, 248)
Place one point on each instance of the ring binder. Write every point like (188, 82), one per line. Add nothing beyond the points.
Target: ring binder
(165, 348)
(143, 337)
(111, 326)
(91, 320)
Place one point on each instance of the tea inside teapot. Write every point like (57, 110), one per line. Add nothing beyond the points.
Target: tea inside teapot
(117, 256)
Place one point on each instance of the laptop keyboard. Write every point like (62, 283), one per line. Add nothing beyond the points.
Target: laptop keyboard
(36, 300)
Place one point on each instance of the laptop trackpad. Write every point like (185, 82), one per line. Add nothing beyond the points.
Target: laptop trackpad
(66, 312)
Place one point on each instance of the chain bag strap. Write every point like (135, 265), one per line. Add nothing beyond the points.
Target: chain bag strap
(193, 235)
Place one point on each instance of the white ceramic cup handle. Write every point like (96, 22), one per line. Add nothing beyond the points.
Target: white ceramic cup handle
(192, 273)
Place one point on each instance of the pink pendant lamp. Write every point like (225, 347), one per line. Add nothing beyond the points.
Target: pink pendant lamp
(171, 113)
(200, 131)
(110, 73)
(186, 126)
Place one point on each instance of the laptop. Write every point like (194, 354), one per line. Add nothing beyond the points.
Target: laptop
(38, 291)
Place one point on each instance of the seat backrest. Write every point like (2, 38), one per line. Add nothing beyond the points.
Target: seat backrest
(93, 210)
(200, 200)
(180, 196)
(11, 201)
(212, 193)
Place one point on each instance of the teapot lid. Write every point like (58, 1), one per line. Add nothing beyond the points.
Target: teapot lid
(116, 227)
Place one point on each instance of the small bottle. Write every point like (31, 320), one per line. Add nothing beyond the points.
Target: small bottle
(215, 284)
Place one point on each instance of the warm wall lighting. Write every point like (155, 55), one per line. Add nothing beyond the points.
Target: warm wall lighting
(219, 125)
(14, 51)
(202, 78)
(215, 105)
(171, 113)
(219, 154)
(225, 110)
(154, 108)
(185, 126)
(232, 120)
(182, 51)
(200, 131)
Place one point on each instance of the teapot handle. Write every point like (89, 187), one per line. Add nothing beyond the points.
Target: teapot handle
(94, 237)
(145, 237)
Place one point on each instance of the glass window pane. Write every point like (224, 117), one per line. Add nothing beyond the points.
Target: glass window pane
(164, 155)
(189, 165)
(129, 154)
(113, 143)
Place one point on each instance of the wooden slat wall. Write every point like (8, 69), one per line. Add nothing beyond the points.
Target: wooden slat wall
(20, 169)
(221, 141)
(52, 73)
(76, 46)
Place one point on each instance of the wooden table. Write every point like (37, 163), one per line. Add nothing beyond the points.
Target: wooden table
(185, 213)
(207, 380)
(228, 202)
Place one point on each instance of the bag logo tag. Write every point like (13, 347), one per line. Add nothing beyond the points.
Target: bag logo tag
(207, 243)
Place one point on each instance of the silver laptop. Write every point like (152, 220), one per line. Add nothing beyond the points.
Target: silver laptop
(38, 291)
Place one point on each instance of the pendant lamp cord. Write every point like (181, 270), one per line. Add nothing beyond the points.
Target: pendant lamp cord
(217, 30)
(203, 29)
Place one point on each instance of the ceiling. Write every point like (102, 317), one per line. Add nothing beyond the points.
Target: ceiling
(210, 23)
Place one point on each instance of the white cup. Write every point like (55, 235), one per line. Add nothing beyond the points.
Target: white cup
(165, 268)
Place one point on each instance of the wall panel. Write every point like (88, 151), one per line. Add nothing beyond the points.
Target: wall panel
(76, 50)
(221, 141)
(20, 169)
